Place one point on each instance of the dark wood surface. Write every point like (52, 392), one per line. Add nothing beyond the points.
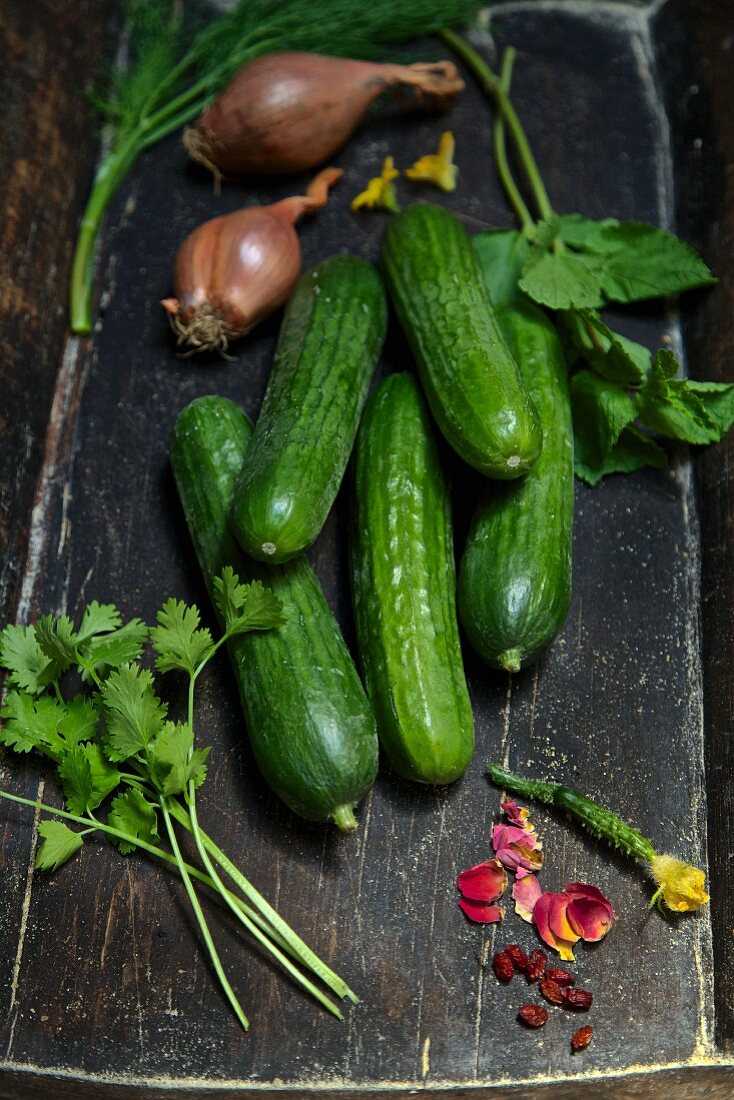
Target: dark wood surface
(103, 988)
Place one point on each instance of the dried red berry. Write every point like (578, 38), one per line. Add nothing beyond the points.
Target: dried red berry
(502, 966)
(560, 976)
(518, 956)
(532, 1015)
(536, 965)
(581, 1038)
(551, 991)
(577, 998)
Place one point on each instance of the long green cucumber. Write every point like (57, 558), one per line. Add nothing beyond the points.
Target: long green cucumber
(310, 724)
(515, 572)
(327, 351)
(466, 369)
(404, 589)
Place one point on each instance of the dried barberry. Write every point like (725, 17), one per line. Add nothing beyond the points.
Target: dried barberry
(503, 967)
(536, 965)
(581, 1038)
(577, 998)
(518, 956)
(560, 976)
(551, 991)
(532, 1015)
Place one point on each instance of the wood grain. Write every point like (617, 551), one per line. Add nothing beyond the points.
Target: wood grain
(105, 991)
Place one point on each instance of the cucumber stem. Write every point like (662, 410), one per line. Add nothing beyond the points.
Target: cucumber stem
(343, 817)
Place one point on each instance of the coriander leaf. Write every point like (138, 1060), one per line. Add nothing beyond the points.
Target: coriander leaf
(173, 761)
(563, 280)
(30, 668)
(32, 723)
(98, 618)
(645, 262)
(79, 722)
(177, 639)
(59, 844)
(670, 407)
(613, 356)
(717, 399)
(131, 813)
(57, 639)
(633, 451)
(502, 255)
(601, 412)
(246, 606)
(87, 777)
(133, 711)
(584, 233)
(121, 647)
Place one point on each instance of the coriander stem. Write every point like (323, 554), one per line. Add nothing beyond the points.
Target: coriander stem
(201, 919)
(493, 87)
(500, 152)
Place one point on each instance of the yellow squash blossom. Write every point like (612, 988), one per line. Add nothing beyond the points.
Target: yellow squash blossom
(679, 884)
(379, 192)
(438, 167)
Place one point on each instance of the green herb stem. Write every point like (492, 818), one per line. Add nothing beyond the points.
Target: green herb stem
(500, 152)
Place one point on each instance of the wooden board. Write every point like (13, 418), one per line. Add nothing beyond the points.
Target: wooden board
(103, 988)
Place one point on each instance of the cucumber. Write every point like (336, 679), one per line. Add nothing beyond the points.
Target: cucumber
(404, 589)
(467, 371)
(309, 721)
(515, 572)
(327, 351)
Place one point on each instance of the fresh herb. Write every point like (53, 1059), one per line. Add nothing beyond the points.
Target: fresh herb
(175, 71)
(680, 886)
(114, 743)
(622, 396)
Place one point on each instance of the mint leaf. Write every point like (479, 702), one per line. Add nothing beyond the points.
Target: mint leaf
(717, 399)
(87, 777)
(502, 254)
(645, 262)
(131, 813)
(134, 713)
(613, 356)
(633, 451)
(177, 639)
(563, 280)
(98, 618)
(583, 233)
(30, 668)
(121, 647)
(59, 843)
(173, 761)
(57, 639)
(32, 723)
(602, 410)
(670, 407)
(246, 607)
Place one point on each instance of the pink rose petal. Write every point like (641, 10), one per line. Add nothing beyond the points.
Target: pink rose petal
(526, 892)
(484, 882)
(516, 815)
(546, 913)
(589, 913)
(479, 913)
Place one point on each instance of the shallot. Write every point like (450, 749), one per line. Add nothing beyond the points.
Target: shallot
(287, 112)
(235, 270)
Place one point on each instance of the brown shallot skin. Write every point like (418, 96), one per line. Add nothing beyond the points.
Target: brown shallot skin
(287, 112)
(233, 271)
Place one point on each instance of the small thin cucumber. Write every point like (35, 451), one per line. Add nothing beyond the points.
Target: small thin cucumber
(404, 589)
(466, 369)
(329, 342)
(310, 724)
(515, 572)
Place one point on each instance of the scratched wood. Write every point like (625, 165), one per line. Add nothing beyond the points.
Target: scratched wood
(103, 989)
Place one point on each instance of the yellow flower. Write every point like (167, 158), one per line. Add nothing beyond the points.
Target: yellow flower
(679, 884)
(379, 192)
(439, 167)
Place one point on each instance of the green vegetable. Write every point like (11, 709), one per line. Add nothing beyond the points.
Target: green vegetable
(680, 886)
(116, 739)
(329, 342)
(177, 69)
(515, 572)
(574, 265)
(467, 371)
(310, 725)
(403, 588)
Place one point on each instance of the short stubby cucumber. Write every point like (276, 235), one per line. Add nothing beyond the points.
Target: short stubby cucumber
(466, 369)
(309, 721)
(515, 572)
(329, 343)
(404, 589)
